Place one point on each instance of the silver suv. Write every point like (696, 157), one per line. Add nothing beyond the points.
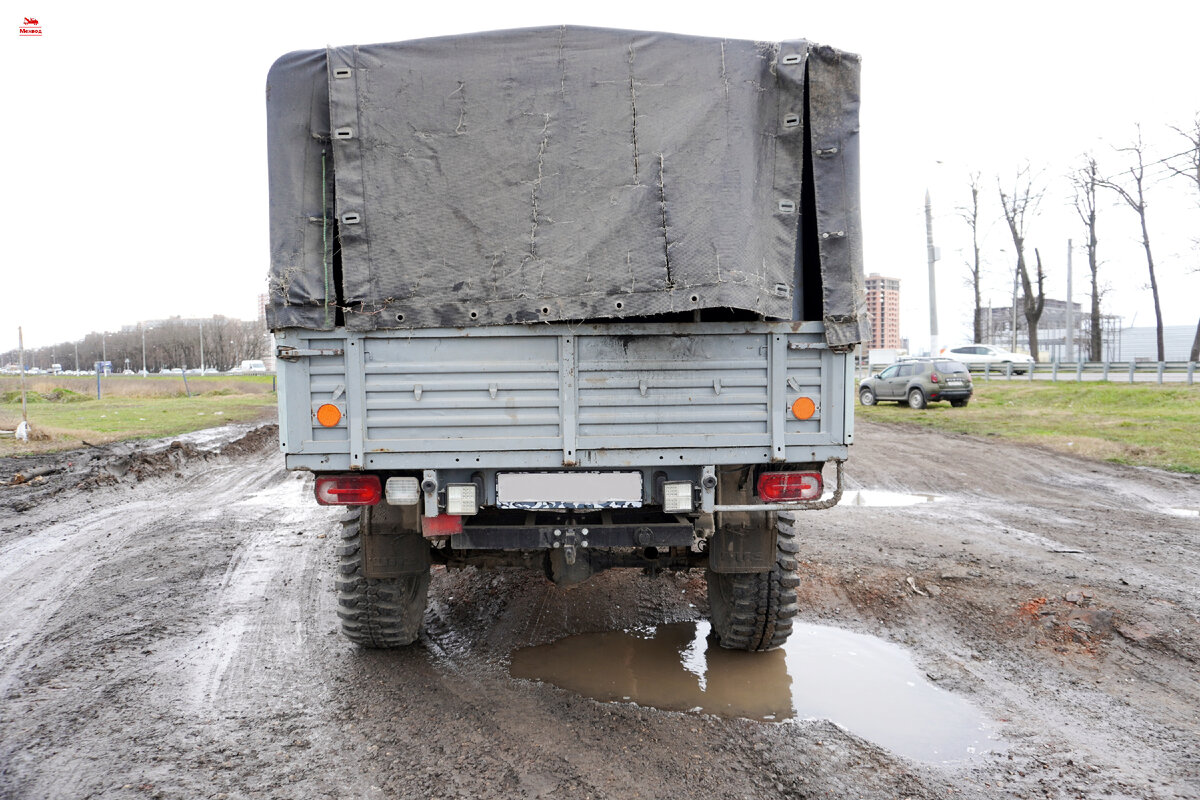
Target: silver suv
(919, 382)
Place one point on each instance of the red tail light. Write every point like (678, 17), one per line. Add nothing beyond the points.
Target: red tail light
(933, 377)
(349, 490)
(775, 487)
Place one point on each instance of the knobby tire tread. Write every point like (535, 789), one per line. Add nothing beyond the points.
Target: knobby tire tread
(760, 606)
(376, 612)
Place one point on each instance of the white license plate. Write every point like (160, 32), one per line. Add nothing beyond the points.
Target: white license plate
(569, 490)
(954, 383)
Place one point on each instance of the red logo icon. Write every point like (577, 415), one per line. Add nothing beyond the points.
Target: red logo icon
(31, 27)
(30, 21)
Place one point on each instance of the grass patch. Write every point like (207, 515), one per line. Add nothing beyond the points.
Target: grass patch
(63, 418)
(1142, 425)
(115, 386)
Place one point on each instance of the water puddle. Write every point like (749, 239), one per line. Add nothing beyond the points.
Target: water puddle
(1182, 512)
(877, 498)
(862, 683)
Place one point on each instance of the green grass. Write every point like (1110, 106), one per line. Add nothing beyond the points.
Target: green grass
(64, 412)
(1143, 425)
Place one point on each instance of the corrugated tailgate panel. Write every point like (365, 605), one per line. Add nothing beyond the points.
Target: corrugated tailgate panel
(462, 394)
(673, 391)
(326, 383)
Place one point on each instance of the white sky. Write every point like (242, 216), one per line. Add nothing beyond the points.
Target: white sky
(135, 139)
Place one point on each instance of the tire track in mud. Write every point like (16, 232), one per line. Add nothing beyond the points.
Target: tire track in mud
(129, 590)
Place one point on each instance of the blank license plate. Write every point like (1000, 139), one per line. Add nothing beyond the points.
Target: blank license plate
(569, 490)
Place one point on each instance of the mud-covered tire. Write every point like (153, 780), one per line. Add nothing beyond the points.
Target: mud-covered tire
(866, 396)
(958, 403)
(376, 612)
(754, 611)
(916, 399)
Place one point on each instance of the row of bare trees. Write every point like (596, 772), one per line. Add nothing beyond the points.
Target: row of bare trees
(164, 344)
(1129, 185)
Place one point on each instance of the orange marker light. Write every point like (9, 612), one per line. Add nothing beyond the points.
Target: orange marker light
(329, 415)
(804, 408)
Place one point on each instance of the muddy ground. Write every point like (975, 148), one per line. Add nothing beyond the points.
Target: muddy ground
(167, 629)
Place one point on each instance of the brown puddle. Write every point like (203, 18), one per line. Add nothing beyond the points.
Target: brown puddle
(864, 684)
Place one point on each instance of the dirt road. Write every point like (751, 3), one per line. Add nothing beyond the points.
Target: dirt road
(167, 629)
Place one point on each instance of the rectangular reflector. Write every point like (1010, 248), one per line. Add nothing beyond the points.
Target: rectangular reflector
(441, 525)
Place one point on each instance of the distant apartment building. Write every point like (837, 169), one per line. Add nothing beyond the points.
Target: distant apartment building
(883, 304)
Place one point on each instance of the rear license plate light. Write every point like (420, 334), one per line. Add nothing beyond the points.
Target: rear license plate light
(782, 487)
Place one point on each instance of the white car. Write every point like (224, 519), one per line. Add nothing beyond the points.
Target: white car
(978, 356)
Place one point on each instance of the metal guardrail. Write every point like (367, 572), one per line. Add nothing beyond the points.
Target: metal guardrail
(1112, 371)
(1081, 371)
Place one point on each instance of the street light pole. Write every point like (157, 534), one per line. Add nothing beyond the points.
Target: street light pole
(201, 348)
(1013, 345)
(931, 254)
(1070, 309)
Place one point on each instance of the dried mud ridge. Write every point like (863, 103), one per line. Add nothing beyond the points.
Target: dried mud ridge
(28, 480)
(169, 631)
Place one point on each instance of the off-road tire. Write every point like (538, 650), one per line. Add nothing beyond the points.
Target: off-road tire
(958, 403)
(376, 612)
(866, 397)
(754, 611)
(916, 399)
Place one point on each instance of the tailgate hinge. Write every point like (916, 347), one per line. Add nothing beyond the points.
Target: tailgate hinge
(287, 353)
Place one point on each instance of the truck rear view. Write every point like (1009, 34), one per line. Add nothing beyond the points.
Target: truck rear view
(567, 299)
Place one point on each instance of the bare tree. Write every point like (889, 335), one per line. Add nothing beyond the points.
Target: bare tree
(970, 215)
(1134, 195)
(1085, 180)
(1019, 205)
(1191, 173)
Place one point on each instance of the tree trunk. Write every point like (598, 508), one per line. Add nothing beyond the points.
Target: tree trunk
(1158, 321)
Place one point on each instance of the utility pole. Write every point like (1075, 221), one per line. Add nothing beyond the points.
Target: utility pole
(21, 347)
(1070, 310)
(201, 348)
(931, 254)
(77, 356)
(143, 329)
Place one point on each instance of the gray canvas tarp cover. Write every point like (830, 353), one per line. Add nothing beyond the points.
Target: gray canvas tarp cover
(562, 174)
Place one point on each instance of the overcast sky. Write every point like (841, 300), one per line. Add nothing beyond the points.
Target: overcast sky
(135, 139)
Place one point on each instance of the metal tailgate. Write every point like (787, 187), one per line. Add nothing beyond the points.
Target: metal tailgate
(554, 395)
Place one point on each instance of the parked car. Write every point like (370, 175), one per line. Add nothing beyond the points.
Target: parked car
(250, 367)
(978, 356)
(919, 382)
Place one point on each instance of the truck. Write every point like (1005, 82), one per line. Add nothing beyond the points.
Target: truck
(567, 299)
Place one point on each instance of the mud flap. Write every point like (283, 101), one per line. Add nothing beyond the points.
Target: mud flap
(743, 549)
(392, 545)
(743, 542)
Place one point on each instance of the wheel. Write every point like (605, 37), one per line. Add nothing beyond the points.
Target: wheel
(959, 403)
(376, 612)
(866, 396)
(754, 611)
(916, 398)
